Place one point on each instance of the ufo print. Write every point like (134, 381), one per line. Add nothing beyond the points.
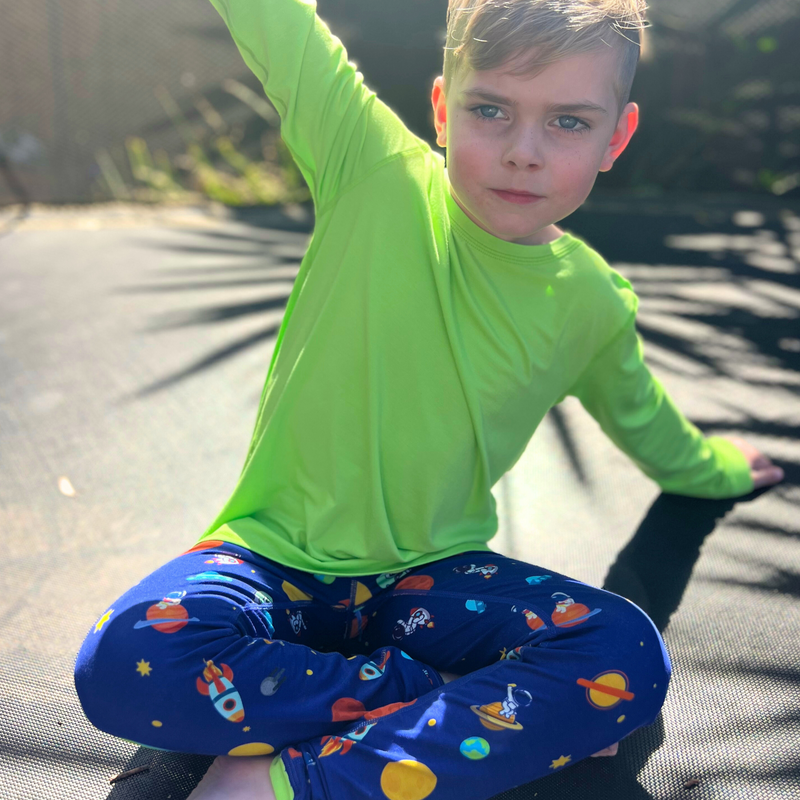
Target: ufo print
(569, 613)
(578, 616)
(208, 576)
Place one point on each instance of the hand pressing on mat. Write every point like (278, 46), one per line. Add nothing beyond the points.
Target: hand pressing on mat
(763, 471)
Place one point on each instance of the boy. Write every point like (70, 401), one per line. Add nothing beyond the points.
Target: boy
(438, 314)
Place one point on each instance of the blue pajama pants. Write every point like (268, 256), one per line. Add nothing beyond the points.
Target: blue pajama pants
(222, 651)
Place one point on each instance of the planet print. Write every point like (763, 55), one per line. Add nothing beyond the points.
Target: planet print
(474, 748)
(252, 749)
(423, 582)
(166, 618)
(607, 690)
(293, 593)
(407, 780)
(362, 593)
(491, 719)
(207, 545)
(347, 708)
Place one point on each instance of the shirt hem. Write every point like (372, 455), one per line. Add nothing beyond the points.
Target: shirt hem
(280, 552)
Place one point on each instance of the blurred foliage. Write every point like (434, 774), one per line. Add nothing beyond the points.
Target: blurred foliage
(718, 87)
(720, 109)
(213, 165)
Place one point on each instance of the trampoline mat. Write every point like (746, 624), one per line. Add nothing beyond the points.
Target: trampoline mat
(729, 728)
(90, 392)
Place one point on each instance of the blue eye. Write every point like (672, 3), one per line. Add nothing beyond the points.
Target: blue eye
(477, 111)
(571, 124)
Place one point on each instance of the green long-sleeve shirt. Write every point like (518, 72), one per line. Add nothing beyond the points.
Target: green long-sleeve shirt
(418, 352)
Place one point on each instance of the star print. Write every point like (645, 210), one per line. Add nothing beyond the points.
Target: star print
(246, 728)
(143, 667)
(559, 762)
(102, 621)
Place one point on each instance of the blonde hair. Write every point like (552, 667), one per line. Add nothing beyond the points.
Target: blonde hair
(487, 34)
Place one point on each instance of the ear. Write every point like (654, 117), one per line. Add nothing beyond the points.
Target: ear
(626, 127)
(439, 111)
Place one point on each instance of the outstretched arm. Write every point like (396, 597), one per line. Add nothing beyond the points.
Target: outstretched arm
(335, 127)
(636, 413)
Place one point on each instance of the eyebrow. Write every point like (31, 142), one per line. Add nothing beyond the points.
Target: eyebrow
(564, 108)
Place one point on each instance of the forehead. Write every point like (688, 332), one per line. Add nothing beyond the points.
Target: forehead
(587, 77)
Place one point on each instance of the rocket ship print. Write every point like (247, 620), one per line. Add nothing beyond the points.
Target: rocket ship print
(216, 684)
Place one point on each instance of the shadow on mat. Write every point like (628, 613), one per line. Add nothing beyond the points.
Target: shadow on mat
(652, 570)
(599, 778)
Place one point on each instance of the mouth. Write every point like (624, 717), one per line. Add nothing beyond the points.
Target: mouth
(517, 197)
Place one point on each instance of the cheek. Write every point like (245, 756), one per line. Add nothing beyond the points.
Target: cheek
(470, 158)
(576, 169)
(467, 157)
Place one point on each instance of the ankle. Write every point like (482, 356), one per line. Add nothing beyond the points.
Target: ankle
(236, 778)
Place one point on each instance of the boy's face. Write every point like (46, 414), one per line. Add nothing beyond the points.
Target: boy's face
(564, 128)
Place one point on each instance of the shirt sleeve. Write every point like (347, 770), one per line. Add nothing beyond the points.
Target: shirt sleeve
(636, 413)
(335, 127)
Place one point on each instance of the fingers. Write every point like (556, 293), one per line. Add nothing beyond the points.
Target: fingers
(762, 470)
(767, 476)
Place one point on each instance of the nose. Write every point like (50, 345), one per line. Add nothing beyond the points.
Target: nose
(525, 151)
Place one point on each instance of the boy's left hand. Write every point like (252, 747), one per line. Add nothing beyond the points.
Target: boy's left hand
(763, 471)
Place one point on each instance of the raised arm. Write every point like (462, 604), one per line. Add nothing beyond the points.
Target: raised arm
(335, 127)
(636, 413)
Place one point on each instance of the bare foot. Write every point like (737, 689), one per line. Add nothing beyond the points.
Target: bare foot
(236, 778)
(608, 751)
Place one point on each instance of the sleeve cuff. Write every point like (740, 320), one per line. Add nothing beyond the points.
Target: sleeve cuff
(731, 461)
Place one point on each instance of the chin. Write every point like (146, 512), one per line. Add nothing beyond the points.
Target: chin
(504, 230)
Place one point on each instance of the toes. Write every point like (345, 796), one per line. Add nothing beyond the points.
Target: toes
(608, 751)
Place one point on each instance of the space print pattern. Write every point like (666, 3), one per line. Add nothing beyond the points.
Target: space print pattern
(222, 651)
